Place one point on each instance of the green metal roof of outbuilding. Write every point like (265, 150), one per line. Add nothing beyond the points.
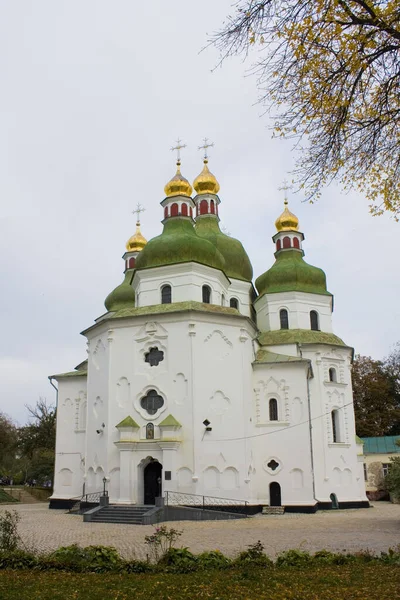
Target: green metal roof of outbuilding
(381, 445)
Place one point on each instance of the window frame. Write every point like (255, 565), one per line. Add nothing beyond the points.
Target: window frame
(284, 314)
(314, 314)
(164, 288)
(273, 409)
(206, 289)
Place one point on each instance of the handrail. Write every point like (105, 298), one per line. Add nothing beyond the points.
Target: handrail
(92, 497)
(206, 502)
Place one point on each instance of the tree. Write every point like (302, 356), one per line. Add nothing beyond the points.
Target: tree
(329, 70)
(376, 398)
(392, 479)
(36, 442)
(8, 441)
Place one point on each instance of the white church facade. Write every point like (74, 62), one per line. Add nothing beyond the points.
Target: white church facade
(198, 382)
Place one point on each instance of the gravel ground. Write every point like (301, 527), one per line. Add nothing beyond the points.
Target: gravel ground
(376, 529)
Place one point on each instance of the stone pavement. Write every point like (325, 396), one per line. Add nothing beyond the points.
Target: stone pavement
(375, 529)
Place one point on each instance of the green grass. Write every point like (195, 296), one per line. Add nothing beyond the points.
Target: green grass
(315, 582)
(6, 498)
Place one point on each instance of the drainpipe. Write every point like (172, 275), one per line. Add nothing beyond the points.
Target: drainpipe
(309, 424)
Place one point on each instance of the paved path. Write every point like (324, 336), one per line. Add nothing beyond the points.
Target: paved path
(376, 529)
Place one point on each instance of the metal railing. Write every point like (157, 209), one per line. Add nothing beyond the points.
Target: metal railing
(206, 502)
(92, 498)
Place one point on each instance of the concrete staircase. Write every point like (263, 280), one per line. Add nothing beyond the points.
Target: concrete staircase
(273, 510)
(115, 513)
(22, 495)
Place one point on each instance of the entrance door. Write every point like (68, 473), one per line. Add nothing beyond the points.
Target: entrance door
(274, 494)
(152, 482)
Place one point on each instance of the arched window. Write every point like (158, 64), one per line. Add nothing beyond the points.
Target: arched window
(335, 426)
(149, 431)
(286, 242)
(184, 210)
(234, 303)
(332, 375)
(284, 318)
(222, 299)
(206, 294)
(174, 210)
(132, 261)
(296, 243)
(278, 245)
(166, 294)
(273, 409)
(203, 207)
(314, 320)
(212, 207)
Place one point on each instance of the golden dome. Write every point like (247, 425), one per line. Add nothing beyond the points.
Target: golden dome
(178, 185)
(287, 221)
(206, 183)
(136, 242)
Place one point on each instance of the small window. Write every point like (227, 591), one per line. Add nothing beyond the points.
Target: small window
(385, 469)
(365, 472)
(154, 356)
(234, 303)
(286, 242)
(335, 426)
(206, 294)
(149, 431)
(314, 320)
(296, 243)
(332, 375)
(152, 402)
(284, 318)
(273, 409)
(166, 294)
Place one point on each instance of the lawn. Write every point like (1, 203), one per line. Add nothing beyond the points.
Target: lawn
(6, 498)
(330, 582)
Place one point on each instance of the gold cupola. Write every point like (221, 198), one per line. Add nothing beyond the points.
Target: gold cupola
(137, 241)
(206, 182)
(287, 221)
(178, 185)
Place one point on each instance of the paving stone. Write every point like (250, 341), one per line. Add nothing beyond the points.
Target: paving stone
(375, 529)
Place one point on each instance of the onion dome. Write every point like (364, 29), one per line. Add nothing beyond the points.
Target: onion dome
(178, 185)
(136, 242)
(291, 273)
(237, 263)
(287, 221)
(206, 182)
(122, 297)
(179, 243)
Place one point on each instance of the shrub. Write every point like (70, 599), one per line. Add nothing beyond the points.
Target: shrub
(179, 560)
(162, 540)
(293, 558)
(9, 537)
(213, 560)
(254, 555)
(17, 559)
(90, 558)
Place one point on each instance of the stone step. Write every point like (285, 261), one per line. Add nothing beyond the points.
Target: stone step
(273, 510)
(130, 515)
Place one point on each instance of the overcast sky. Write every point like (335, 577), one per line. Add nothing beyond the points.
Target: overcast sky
(93, 95)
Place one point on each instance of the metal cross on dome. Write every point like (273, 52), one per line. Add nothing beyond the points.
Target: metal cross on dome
(139, 209)
(285, 187)
(206, 144)
(179, 146)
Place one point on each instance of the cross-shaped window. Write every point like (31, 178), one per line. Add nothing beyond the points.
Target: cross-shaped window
(154, 356)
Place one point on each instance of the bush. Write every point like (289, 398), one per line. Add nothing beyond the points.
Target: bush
(162, 540)
(90, 558)
(179, 560)
(9, 538)
(17, 559)
(293, 558)
(254, 555)
(213, 560)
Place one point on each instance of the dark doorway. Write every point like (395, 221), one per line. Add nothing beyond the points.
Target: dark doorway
(274, 494)
(334, 500)
(152, 482)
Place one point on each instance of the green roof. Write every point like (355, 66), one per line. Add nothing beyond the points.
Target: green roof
(175, 307)
(81, 373)
(170, 421)
(179, 243)
(381, 445)
(298, 336)
(289, 273)
(123, 296)
(237, 263)
(264, 356)
(128, 422)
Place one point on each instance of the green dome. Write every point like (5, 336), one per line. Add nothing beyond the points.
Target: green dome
(179, 243)
(122, 297)
(291, 273)
(237, 263)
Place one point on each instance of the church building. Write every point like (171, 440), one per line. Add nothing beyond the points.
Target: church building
(198, 382)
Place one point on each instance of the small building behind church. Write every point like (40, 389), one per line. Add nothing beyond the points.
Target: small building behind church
(197, 381)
